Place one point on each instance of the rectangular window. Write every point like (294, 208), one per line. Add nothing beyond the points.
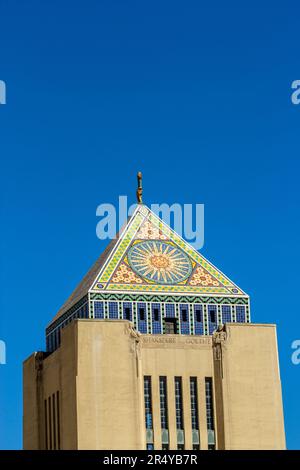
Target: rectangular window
(163, 402)
(98, 310)
(226, 313)
(198, 319)
(170, 326)
(170, 310)
(50, 423)
(86, 311)
(184, 319)
(142, 313)
(50, 342)
(209, 403)
(148, 402)
(53, 340)
(184, 315)
(113, 309)
(212, 318)
(127, 311)
(156, 325)
(54, 421)
(240, 313)
(142, 317)
(58, 420)
(46, 424)
(194, 403)
(178, 403)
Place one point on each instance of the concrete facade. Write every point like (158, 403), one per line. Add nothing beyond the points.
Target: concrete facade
(89, 393)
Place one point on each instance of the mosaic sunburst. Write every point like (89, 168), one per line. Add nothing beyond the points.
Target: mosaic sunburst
(159, 262)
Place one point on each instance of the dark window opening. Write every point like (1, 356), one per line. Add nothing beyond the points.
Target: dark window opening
(179, 403)
(194, 403)
(127, 313)
(212, 314)
(198, 316)
(209, 403)
(184, 315)
(148, 402)
(163, 402)
(170, 326)
(142, 314)
(156, 314)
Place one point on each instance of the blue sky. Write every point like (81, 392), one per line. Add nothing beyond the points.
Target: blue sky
(196, 96)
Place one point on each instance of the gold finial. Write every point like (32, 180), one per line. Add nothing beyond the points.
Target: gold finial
(139, 191)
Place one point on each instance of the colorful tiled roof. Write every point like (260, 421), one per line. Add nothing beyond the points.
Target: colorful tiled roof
(149, 257)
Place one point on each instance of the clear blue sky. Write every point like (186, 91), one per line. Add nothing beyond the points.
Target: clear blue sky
(194, 95)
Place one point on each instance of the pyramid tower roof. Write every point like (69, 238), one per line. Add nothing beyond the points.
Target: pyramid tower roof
(149, 257)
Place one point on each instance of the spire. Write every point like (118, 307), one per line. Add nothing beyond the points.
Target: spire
(139, 191)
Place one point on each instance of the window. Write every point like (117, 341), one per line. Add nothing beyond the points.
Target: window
(184, 320)
(51, 337)
(156, 325)
(170, 326)
(198, 319)
(98, 310)
(85, 312)
(127, 311)
(148, 402)
(226, 313)
(165, 446)
(209, 403)
(142, 319)
(54, 340)
(180, 447)
(46, 424)
(58, 420)
(212, 318)
(113, 309)
(170, 310)
(178, 403)
(150, 447)
(142, 314)
(184, 315)
(240, 313)
(194, 403)
(52, 422)
(196, 447)
(163, 402)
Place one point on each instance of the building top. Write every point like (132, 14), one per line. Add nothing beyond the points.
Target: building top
(149, 257)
